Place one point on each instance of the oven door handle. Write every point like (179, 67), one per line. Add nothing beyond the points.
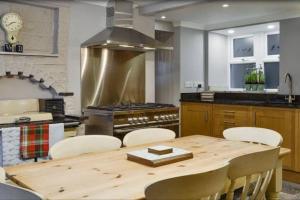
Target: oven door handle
(154, 126)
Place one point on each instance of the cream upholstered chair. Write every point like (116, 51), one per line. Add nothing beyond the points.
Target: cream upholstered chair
(84, 144)
(2, 175)
(261, 164)
(207, 185)
(17, 193)
(147, 135)
(254, 135)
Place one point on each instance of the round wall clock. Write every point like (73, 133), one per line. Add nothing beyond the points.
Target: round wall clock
(12, 24)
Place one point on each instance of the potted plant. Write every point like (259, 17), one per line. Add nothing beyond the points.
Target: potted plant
(253, 78)
(261, 80)
(248, 82)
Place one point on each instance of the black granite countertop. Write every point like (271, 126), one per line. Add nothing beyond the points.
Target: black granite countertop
(249, 99)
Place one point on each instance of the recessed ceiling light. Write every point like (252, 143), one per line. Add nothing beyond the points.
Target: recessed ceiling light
(163, 17)
(225, 5)
(271, 26)
(231, 31)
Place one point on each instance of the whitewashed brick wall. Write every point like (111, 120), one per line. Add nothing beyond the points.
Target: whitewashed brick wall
(39, 36)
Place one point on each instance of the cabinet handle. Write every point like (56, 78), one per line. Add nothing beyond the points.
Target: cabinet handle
(229, 112)
(226, 122)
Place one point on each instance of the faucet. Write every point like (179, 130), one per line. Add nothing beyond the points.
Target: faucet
(291, 97)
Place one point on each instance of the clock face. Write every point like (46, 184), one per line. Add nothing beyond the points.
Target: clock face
(11, 22)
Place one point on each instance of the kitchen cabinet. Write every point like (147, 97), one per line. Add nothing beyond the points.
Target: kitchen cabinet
(228, 116)
(211, 119)
(196, 119)
(282, 121)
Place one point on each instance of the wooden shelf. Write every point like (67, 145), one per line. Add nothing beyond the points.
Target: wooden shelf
(28, 54)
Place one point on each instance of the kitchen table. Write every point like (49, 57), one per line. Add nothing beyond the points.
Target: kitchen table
(110, 175)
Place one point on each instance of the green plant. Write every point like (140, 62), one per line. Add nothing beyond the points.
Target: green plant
(247, 79)
(261, 77)
(253, 77)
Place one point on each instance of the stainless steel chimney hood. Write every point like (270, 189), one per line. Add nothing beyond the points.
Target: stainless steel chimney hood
(120, 34)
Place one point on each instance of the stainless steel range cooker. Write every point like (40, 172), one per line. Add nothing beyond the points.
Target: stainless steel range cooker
(119, 120)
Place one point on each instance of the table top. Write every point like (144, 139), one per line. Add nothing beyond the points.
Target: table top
(110, 175)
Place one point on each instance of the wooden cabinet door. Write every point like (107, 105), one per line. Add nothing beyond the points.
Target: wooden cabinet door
(282, 121)
(196, 119)
(229, 116)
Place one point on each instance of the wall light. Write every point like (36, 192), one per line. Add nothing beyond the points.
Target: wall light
(225, 5)
(231, 31)
(163, 17)
(271, 26)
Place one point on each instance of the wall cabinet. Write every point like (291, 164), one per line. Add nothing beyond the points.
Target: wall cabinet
(213, 119)
(196, 119)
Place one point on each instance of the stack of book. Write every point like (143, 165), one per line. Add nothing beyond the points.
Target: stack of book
(207, 96)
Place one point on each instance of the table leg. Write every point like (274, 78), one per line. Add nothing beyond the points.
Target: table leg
(275, 186)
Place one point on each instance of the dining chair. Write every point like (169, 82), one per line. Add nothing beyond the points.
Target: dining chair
(11, 192)
(261, 164)
(206, 185)
(147, 135)
(254, 135)
(84, 144)
(2, 175)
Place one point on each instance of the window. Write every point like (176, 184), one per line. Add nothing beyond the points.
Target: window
(273, 44)
(237, 74)
(243, 47)
(254, 51)
(271, 75)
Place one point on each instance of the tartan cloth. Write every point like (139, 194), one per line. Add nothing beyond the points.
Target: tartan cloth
(34, 141)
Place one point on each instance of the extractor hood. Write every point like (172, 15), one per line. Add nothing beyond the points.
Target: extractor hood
(120, 34)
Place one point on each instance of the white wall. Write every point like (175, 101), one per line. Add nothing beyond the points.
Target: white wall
(217, 62)
(191, 57)
(289, 54)
(85, 21)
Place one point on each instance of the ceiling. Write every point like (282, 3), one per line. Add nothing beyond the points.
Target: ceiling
(267, 27)
(210, 15)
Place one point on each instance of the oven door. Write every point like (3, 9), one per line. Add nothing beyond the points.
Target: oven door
(121, 132)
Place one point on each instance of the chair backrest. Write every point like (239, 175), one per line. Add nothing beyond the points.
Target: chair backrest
(254, 135)
(84, 144)
(194, 186)
(259, 164)
(147, 135)
(13, 192)
(2, 175)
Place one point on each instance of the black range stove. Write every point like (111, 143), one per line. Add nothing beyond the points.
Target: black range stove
(118, 120)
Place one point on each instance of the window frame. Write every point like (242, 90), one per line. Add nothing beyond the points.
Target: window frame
(267, 57)
(260, 57)
(242, 59)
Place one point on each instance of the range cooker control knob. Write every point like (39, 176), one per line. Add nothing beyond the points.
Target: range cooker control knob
(162, 117)
(135, 120)
(146, 119)
(171, 117)
(174, 116)
(141, 119)
(156, 118)
(130, 120)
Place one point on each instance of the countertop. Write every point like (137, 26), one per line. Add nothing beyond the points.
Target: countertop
(265, 100)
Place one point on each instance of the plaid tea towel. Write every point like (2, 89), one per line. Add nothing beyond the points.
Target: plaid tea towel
(34, 141)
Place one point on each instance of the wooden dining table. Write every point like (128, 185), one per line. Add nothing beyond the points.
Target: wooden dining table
(109, 175)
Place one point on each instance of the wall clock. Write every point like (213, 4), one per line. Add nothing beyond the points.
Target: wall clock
(12, 24)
